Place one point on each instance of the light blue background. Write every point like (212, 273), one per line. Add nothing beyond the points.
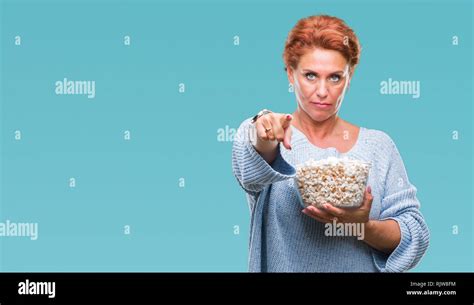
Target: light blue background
(175, 134)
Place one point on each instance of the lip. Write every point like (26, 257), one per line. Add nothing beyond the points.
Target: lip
(322, 105)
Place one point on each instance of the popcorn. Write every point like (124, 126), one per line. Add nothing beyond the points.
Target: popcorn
(340, 182)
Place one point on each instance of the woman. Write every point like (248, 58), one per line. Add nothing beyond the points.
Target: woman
(320, 57)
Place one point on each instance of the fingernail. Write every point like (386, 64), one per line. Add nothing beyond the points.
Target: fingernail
(290, 147)
(288, 117)
(369, 189)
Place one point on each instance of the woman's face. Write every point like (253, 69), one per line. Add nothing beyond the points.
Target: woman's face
(320, 81)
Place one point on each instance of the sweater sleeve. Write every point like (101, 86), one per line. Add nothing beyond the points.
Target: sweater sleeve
(252, 171)
(400, 203)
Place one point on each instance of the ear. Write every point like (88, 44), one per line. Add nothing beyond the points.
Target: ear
(349, 81)
(289, 74)
(351, 73)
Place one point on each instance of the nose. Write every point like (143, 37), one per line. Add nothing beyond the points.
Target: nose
(321, 89)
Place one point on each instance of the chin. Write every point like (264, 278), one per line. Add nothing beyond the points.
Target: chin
(320, 116)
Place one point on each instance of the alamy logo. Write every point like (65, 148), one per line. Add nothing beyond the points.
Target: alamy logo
(78, 87)
(36, 288)
(394, 87)
(345, 229)
(19, 229)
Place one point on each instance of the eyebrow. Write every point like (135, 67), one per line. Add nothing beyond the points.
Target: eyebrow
(308, 70)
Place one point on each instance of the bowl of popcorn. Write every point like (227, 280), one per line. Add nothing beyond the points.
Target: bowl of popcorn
(340, 182)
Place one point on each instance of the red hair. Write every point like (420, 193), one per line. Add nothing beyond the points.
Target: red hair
(325, 32)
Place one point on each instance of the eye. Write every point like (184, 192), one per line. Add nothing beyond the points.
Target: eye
(309, 74)
(335, 78)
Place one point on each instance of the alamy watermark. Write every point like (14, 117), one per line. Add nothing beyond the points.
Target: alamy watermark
(230, 134)
(345, 229)
(400, 87)
(78, 87)
(19, 229)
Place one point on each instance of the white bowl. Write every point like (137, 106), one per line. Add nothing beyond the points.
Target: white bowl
(340, 182)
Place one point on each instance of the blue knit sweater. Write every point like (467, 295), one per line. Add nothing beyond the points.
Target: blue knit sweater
(283, 239)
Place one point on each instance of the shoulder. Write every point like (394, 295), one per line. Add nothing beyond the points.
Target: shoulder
(383, 153)
(373, 140)
(369, 135)
(380, 145)
(378, 138)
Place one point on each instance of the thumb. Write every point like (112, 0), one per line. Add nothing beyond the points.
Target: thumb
(368, 197)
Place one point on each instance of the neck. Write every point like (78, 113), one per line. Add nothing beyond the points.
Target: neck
(314, 129)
